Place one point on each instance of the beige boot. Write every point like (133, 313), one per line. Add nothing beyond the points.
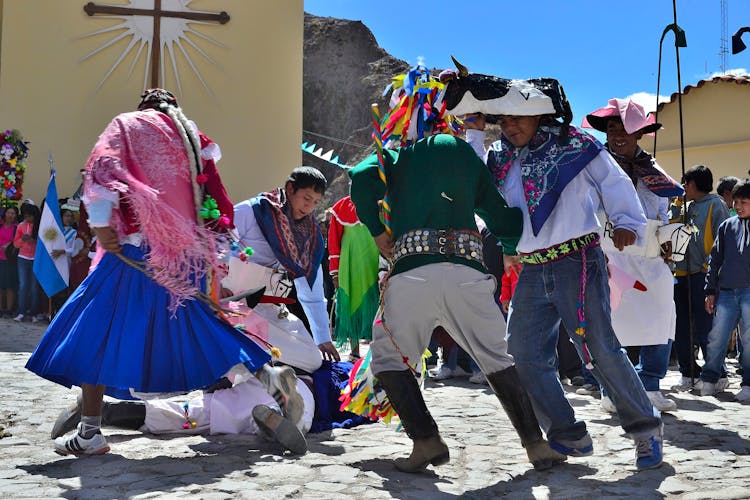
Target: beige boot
(542, 457)
(432, 450)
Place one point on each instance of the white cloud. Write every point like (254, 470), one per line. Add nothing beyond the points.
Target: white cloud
(733, 72)
(647, 100)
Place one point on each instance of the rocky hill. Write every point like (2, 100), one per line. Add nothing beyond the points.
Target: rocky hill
(344, 72)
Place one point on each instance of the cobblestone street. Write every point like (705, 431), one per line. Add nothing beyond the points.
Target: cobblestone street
(706, 451)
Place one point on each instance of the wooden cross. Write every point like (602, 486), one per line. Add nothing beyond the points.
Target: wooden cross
(157, 13)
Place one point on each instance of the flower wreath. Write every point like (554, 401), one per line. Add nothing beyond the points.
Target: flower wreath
(13, 153)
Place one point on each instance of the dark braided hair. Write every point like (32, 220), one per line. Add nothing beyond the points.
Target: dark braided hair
(157, 99)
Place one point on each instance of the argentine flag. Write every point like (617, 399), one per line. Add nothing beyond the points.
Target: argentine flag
(52, 274)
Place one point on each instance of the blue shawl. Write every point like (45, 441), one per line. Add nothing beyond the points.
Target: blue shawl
(271, 213)
(547, 166)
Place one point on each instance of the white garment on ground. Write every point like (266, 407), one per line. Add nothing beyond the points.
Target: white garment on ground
(226, 411)
(291, 337)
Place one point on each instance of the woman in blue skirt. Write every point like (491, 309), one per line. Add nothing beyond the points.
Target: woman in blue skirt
(142, 321)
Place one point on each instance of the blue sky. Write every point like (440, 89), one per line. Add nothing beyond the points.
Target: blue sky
(598, 49)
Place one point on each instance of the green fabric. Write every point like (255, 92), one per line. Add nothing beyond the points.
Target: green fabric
(358, 295)
(440, 183)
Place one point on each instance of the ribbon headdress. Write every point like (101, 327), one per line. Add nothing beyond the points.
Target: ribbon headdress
(417, 109)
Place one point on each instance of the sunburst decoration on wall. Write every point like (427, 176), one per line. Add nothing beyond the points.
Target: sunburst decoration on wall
(159, 25)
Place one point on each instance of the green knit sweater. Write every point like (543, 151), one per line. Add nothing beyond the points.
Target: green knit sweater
(439, 182)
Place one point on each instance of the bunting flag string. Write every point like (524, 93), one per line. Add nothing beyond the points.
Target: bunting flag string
(329, 157)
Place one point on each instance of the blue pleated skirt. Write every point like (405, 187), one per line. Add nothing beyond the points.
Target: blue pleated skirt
(117, 330)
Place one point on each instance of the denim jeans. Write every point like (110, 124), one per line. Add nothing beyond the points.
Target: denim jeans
(653, 364)
(730, 306)
(700, 318)
(547, 294)
(28, 287)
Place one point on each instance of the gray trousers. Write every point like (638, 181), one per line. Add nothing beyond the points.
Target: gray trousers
(457, 297)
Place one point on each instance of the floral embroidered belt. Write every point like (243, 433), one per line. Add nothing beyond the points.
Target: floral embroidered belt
(463, 243)
(557, 252)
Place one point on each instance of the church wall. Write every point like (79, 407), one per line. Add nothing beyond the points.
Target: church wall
(716, 130)
(253, 109)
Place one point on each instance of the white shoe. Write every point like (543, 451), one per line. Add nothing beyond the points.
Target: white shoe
(588, 389)
(75, 444)
(686, 385)
(660, 402)
(744, 395)
(711, 389)
(18, 318)
(443, 373)
(479, 378)
(608, 405)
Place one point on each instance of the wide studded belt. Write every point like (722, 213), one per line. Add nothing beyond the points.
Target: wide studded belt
(463, 243)
(557, 252)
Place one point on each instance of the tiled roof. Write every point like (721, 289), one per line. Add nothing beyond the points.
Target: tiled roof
(739, 80)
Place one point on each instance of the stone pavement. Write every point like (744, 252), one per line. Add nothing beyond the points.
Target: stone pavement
(707, 452)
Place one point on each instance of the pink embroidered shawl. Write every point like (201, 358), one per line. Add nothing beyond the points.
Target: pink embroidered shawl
(141, 156)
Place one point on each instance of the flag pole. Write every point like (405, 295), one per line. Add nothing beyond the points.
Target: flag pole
(51, 162)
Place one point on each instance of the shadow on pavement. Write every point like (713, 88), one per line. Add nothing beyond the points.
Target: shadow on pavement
(568, 481)
(109, 475)
(422, 485)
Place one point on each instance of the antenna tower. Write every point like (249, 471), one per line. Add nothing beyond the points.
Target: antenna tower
(724, 40)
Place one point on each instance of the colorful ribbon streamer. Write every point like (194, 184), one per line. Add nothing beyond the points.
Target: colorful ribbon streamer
(378, 138)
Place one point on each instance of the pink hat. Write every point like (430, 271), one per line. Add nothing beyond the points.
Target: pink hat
(634, 117)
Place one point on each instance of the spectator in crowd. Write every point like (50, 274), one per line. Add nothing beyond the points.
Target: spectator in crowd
(25, 241)
(8, 265)
(705, 212)
(728, 293)
(724, 189)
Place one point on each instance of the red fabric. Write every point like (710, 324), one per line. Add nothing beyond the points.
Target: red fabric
(214, 186)
(508, 284)
(343, 214)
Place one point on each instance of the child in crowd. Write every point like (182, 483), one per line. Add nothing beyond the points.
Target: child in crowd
(706, 211)
(728, 292)
(25, 241)
(8, 269)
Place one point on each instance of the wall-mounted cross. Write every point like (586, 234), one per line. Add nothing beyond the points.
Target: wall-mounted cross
(157, 13)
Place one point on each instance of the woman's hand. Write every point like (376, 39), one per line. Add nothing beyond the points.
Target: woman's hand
(107, 238)
(329, 351)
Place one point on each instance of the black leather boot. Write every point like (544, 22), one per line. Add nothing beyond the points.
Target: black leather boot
(508, 389)
(406, 397)
(124, 414)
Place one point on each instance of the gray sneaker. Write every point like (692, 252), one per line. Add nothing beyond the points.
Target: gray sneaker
(281, 383)
(68, 419)
(280, 429)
